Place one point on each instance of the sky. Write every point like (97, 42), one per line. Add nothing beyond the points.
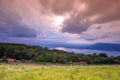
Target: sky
(60, 21)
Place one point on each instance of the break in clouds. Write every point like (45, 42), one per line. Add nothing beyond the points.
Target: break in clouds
(75, 21)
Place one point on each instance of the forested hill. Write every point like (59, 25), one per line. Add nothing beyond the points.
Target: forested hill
(44, 55)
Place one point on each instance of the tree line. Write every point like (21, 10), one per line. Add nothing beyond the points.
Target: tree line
(44, 55)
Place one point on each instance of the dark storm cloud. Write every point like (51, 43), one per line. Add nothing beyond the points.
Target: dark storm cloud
(98, 27)
(74, 25)
(88, 38)
(104, 11)
(53, 20)
(11, 26)
(94, 12)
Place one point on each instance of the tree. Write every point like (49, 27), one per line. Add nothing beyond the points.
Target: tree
(102, 55)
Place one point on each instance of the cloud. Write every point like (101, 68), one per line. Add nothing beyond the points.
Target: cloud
(83, 20)
(58, 7)
(75, 25)
(108, 32)
(11, 25)
(102, 9)
(96, 12)
(82, 13)
(96, 38)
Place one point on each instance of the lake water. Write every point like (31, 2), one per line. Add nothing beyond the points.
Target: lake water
(89, 51)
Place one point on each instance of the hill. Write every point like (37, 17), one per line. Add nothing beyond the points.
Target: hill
(40, 54)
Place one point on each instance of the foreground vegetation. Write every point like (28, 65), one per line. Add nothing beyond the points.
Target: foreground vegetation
(44, 55)
(18, 72)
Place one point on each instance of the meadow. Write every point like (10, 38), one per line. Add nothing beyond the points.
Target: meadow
(41, 72)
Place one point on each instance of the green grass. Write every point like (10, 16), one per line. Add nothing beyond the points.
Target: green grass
(18, 72)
